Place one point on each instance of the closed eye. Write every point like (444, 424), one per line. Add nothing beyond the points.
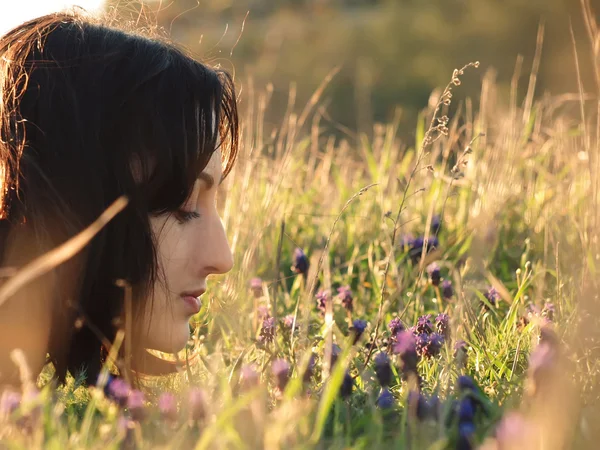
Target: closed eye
(186, 216)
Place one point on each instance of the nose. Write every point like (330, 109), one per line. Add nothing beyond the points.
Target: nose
(219, 258)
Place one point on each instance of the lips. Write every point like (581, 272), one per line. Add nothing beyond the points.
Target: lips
(192, 301)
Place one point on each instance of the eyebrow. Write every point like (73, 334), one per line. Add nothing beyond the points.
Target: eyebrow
(209, 180)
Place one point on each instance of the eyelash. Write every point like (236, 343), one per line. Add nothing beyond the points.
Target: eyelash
(186, 216)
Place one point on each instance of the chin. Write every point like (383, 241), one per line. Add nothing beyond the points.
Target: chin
(172, 342)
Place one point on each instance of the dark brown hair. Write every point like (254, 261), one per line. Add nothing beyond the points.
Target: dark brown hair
(81, 104)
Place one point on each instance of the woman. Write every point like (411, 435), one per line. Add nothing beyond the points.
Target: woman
(88, 114)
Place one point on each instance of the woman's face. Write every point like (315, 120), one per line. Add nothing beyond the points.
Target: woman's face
(191, 245)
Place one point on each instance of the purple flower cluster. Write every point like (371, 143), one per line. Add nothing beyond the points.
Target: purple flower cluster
(301, 264)
(423, 408)
(447, 289)
(436, 224)
(427, 342)
(442, 325)
(345, 296)
(396, 326)
(256, 287)
(383, 370)
(357, 329)
(405, 347)
(323, 296)
(416, 246)
(492, 296)
(281, 370)
(385, 400)
(267, 331)
(434, 272)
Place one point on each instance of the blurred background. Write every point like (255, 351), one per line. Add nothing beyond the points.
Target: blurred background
(390, 53)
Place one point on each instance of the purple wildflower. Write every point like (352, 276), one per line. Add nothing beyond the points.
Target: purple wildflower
(548, 311)
(323, 296)
(442, 324)
(249, 376)
(406, 240)
(288, 321)
(262, 312)
(422, 342)
(447, 290)
(436, 224)
(492, 296)
(9, 403)
(347, 385)
(167, 405)
(460, 348)
(135, 404)
(542, 362)
(345, 295)
(310, 369)
(118, 390)
(256, 286)
(417, 244)
(385, 400)
(281, 371)
(301, 263)
(396, 326)
(126, 428)
(405, 347)
(417, 404)
(466, 384)
(383, 369)
(424, 324)
(433, 270)
(515, 431)
(466, 431)
(267, 332)
(335, 353)
(358, 328)
(197, 404)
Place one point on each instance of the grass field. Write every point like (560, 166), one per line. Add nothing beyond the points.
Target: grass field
(506, 199)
